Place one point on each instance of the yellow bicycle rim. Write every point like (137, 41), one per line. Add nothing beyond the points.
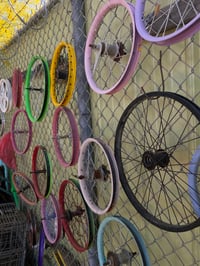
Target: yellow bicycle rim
(59, 258)
(70, 86)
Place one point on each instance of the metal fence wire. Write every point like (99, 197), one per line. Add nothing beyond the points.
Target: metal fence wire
(176, 68)
(13, 235)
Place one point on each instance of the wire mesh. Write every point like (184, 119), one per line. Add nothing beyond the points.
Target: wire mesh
(12, 235)
(98, 115)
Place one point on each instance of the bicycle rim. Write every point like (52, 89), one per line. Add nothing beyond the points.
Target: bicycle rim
(24, 188)
(50, 216)
(21, 131)
(41, 172)
(5, 95)
(62, 81)
(36, 88)
(17, 80)
(161, 21)
(193, 181)
(99, 177)
(109, 52)
(65, 136)
(41, 247)
(127, 249)
(153, 134)
(76, 218)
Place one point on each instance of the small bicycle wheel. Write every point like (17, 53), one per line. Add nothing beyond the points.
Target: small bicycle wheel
(65, 136)
(99, 176)
(112, 47)
(76, 218)
(153, 152)
(193, 181)
(21, 131)
(51, 221)
(63, 74)
(5, 95)
(120, 243)
(36, 88)
(17, 80)
(161, 21)
(41, 171)
(24, 188)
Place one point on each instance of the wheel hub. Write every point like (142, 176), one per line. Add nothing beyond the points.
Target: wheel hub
(116, 50)
(152, 159)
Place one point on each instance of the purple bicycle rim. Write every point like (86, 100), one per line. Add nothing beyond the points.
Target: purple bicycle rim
(41, 247)
(183, 36)
(43, 213)
(193, 183)
(164, 40)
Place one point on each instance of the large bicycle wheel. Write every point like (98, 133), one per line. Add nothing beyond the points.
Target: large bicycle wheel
(193, 181)
(120, 243)
(37, 88)
(21, 131)
(51, 219)
(161, 21)
(76, 217)
(5, 95)
(41, 171)
(63, 74)
(99, 176)
(112, 47)
(24, 188)
(154, 144)
(65, 136)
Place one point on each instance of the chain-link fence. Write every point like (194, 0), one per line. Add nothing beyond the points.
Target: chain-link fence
(175, 68)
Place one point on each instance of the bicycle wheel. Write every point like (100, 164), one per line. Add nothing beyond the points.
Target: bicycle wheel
(76, 218)
(120, 243)
(41, 171)
(51, 221)
(24, 188)
(41, 247)
(5, 95)
(153, 152)
(63, 74)
(21, 132)
(64, 257)
(162, 21)
(65, 136)
(31, 238)
(99, 176)
(36, 88)
(17, 80)
(112, 47)
(193, 181)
